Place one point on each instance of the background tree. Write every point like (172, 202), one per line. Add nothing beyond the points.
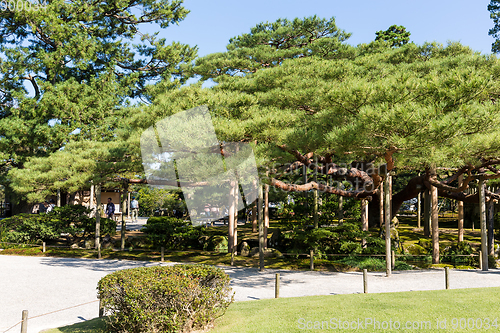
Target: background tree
(66, 73)
(494, 9)
(269, 44)
(396, 35)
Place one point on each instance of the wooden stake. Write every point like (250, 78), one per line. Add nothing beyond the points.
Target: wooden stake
(447, 277)
(277, 286)
(365, 281)
(24, 323)
(311, 255)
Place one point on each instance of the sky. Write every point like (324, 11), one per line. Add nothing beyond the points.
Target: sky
(211, 23)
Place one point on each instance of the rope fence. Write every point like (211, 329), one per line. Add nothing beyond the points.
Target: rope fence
(26, 318)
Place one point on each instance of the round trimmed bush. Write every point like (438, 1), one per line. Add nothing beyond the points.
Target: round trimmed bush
(178, 298)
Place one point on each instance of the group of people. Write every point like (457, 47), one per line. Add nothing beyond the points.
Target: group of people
(45, 207)
(134, 209)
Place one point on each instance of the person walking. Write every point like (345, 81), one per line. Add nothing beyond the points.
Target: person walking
(110, 209)
(134, 206)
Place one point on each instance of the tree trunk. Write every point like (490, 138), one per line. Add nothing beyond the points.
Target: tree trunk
(381, 205)
(235, 232)
(435, 225)
(460, 213)
(315, 212)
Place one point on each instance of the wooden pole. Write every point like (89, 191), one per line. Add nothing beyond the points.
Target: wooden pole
(24, 323)
(364, 219)
(341, 209)
(277, 286)
(316, 194)
(230, 236)
(235, 232)
(435, 225)
(481, 260)
(266, 213)
(387, 203)
(381, 204)
(43, 247)
(124, 208)
(261, 230)
(427, 213)
(447, 277)
(91, 203)
(311, 256)
(460, 212)
(419, 209)
(58, 197)
(98, 216)
(393, 259)
(162, 254)
(491, 223)
(365, 281)
(482, 219)
(128, 205)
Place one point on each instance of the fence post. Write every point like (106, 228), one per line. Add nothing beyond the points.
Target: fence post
(277, 286)
(232, 256)
(162, 254)
(447, 277)
(365, 280)
(43, 247)
(24, 324)
(101, 308)
(311, 255)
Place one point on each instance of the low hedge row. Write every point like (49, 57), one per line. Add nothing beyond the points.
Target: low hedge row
(178, 298)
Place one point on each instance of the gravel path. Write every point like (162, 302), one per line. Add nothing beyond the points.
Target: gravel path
(42, 285)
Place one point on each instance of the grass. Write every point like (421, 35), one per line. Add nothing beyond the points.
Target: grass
(290, 315)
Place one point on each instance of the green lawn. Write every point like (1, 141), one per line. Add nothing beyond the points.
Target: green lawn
(416, 309)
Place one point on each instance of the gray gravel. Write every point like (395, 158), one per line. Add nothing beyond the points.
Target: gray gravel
(43, 285)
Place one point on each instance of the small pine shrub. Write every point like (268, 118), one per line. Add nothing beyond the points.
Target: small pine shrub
(173, 234)
(163, 299)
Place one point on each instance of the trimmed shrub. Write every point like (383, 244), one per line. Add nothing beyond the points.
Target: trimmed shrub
(163, 299)
(172, 233)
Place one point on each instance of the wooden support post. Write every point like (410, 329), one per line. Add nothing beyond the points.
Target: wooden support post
(491, 224)
(98, 216)
(43, 247)
(266, 213)
(232, 256)
(59, 197)
(419, 210)
(277, 286)
(24, 323)
(340, 212)
(128, 205)
(381, 204)
(447, 277)
(124, 224)
(435, 225)
(427, 213)
(482, 219)
(364, 219)
(387, 209)
(162, 254)
(99, 250)
(261, 229)
(365, 281)
(91, 201)
(232, 209)
(316, 194)
(311, 256)
(460, 212)
(235, 232)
